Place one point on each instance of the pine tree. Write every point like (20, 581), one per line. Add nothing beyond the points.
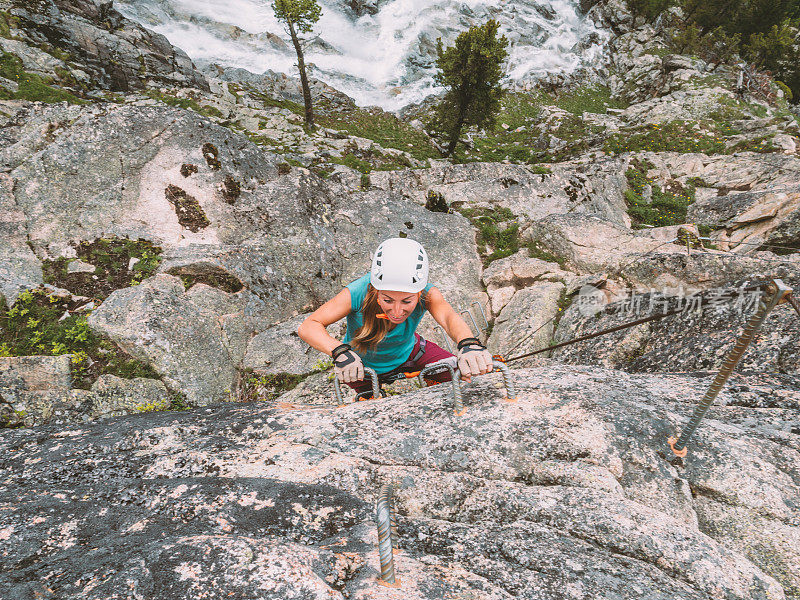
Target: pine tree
(471, 71)
(299, 16)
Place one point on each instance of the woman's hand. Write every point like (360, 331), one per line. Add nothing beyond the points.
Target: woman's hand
(347, 364)
(473, 358)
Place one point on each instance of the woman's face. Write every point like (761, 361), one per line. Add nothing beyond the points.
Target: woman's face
(397, 305)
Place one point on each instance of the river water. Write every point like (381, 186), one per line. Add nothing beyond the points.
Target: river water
(379, 53)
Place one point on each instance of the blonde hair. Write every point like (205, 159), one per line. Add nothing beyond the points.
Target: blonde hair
(374, 329)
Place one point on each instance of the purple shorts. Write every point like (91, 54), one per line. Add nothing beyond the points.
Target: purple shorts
(432, 354)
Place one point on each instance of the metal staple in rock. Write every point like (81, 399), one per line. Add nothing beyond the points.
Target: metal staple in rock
(455, 375)
(794, 303)
(387, 534)
(775, 293)
(373, 375)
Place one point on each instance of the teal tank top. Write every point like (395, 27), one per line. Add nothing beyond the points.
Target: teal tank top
(396, 347)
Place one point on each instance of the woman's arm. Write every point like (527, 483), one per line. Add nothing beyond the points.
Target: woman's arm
(445, 316)
(473, 358)
(312, 330)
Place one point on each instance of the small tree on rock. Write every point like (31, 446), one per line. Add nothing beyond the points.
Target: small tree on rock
(299, 16)
(471, 70)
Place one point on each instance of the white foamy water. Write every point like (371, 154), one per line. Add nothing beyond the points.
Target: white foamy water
(385, 59)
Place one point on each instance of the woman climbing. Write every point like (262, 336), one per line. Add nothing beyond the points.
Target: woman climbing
(383, 309)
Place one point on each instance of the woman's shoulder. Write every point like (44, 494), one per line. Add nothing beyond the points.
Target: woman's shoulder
(358, 290)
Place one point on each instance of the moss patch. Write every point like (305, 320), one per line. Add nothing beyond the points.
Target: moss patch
(708, 136)
(675, 136)
(518, 126)
(215, 278)
(231, 190)
(31, 87)
(211, 154)
(42, 324)
(188, 169)
(7, 23)
(187, 208)
(536, 250)
(380, 126)
(111, 257)
(266, 387)
(435, 202)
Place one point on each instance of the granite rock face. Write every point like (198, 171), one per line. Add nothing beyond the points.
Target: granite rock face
(571, 487)
(594, 187)
(19, 267)
(156, 322)
(689, 341)
(115, 52)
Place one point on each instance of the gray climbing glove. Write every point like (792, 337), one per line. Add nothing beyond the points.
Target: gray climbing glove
(473, 358)
(347, 364)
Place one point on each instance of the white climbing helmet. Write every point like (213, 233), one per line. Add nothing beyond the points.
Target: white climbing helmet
(399, 265)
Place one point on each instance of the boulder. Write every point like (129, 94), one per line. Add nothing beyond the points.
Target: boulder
(505, 276)
(114, 396)
(156, 322)
(751, 219)
(678, 104)
(589, 243)
(20, 269)
(526, 323)
(743, 171)
(35, 389)
(645, 260)
(280, 350)
(580, 186)
(787, 143)
(572, 487)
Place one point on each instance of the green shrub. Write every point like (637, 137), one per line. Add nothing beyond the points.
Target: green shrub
(497, 232)
(664, 208)
(778, 51)
(42, 324)
(649, 9)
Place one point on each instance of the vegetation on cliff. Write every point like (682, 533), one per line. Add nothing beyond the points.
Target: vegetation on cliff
(765, 33)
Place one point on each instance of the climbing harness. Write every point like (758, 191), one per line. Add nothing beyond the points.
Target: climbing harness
(775, 293)
(387, 535)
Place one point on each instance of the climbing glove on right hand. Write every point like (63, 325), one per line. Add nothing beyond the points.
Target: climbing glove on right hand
(473, 358)
(347, 364)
